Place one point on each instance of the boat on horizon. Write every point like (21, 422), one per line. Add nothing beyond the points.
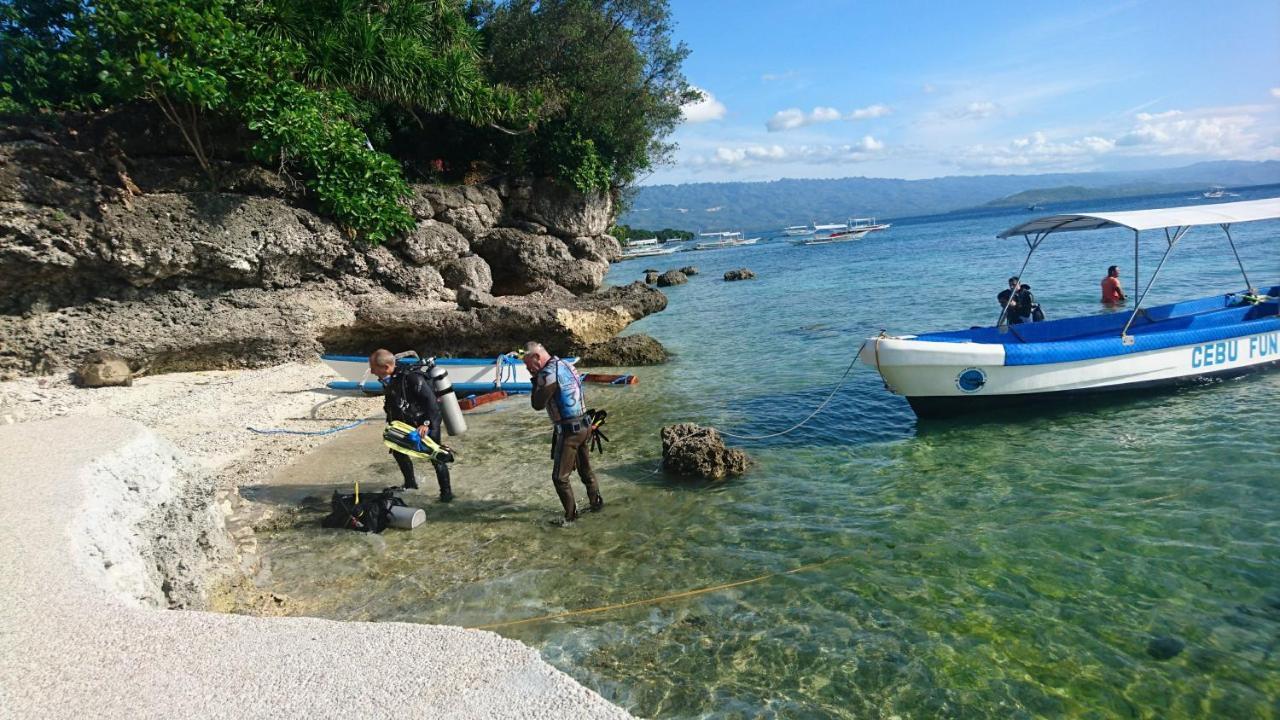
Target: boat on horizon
(868, 224)
(469, 375)
(1044, 363)
(797, 230)
(845, 235)
(648, 247)
(726, 239)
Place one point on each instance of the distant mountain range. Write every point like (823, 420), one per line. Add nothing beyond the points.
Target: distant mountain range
(756, 206)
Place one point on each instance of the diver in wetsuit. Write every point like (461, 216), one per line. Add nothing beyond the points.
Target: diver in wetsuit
(410, 398)
(558, 390)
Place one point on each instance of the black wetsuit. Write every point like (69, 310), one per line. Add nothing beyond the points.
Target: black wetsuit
(1020, 309)
(410, 399)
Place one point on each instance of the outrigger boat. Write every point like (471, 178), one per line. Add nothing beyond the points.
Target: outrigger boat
(646, 248)
(868, 224)
(948, 373)
(797, 230)
(469, 375)
(844, 235)
(726, 239)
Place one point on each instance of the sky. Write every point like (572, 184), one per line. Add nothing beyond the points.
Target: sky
(914, 89)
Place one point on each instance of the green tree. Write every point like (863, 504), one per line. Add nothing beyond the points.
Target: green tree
(609, 76)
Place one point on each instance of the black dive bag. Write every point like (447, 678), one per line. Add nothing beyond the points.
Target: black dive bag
(371, 514)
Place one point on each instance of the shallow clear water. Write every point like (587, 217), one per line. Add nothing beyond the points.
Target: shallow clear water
(1022, 566)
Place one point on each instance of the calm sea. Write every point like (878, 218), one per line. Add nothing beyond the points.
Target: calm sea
(1096, 560)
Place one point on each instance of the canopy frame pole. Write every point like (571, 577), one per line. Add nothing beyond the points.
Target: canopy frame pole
(1004, 311)
(1178, 232)
(1136, 283)
(1226, 228)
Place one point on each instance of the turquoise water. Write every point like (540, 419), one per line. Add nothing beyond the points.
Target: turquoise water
(1032, 565)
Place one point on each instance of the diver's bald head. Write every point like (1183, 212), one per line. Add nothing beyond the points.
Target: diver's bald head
(382, 363)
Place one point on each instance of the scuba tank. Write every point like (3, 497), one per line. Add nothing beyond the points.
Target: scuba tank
(453, 420)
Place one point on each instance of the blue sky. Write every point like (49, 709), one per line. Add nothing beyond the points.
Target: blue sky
(913, 89)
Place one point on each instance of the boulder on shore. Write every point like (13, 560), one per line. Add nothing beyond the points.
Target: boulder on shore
(693, 450)
(105, 369)
(628, 351)
(672, 277)
(739, 274)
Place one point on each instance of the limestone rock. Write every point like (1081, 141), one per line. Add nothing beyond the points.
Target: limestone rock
(629, 351)
(672, 277)
(739, 274)
(418, 280)
(432, 242)
(471, 297)
(650, 277)
(523, 263)
(104, 369)
(693, 450)
(471, 220)
(689, 270)
(563, 210)
(469, 270)
(532, 228)
(602, 248)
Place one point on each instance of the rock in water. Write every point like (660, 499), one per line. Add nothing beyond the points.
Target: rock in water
(650, 277)
(105, 369)
(689, 270)
(672, 277)
(624, 352)
(739, 274)
(1164, 647)
(689, 449)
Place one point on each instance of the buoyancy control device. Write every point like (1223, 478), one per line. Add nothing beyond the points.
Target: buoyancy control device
(367, 512)
(406, 440)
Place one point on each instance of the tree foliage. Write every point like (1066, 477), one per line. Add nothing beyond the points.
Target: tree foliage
(350, 93)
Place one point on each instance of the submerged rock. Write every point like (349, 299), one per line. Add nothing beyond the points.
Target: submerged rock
(105, 369)
(693, 450)
(650, 277)
(1165, 647)
(672, 277)
(626, 351)
(739, 274)
(689, 269)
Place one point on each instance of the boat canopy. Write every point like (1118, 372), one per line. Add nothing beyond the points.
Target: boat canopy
(1138, 220)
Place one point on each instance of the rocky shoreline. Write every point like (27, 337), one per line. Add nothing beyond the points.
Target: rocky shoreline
(141, 524)
(110, 239)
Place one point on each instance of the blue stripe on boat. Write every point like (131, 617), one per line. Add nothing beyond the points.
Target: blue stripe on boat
(1087, 338)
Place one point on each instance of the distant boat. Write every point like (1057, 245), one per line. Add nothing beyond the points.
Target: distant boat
(1033, 207)
(724, 240)
(845, 235)
(1217, 191)
(797, 230)
(868, 224)
(647, 247)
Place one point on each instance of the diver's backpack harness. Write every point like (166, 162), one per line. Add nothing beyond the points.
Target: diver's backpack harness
(366, 513)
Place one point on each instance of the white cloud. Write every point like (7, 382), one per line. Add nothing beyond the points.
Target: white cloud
(1275, 92)
(704, 110)
(928, 88)
(736, 157)
(977, 110)
(1224, 133)
(1036, 150)
(793, 118)
(869, 112)
(774, 77)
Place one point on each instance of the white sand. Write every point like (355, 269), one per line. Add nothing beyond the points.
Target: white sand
(104, 507)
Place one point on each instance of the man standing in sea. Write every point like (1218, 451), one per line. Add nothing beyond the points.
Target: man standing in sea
(558, 389)
(1112, 293)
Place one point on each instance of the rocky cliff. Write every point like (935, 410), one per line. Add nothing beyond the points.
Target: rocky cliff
(112, 238)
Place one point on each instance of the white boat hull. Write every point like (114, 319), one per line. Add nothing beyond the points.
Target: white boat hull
(943, 378)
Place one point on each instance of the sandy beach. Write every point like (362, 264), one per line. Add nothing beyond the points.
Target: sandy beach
(115, 510)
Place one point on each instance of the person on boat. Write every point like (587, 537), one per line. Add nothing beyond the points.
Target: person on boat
(410, 399)
(558, 390)
(1019, 308)
(1112, 293)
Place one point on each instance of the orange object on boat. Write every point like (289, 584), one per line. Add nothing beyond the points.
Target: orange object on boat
(471, 402)
(610, 379)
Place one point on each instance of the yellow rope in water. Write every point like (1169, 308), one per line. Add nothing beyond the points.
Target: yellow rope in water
(654, 600)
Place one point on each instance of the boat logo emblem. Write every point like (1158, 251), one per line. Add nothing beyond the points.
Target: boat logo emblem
(971, 380)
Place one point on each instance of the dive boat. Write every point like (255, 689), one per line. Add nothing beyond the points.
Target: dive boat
(469, 375)
(797, 230)
(648, 247)
(868, 224)
(842, 235)
(725, 239)
(949, 373)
